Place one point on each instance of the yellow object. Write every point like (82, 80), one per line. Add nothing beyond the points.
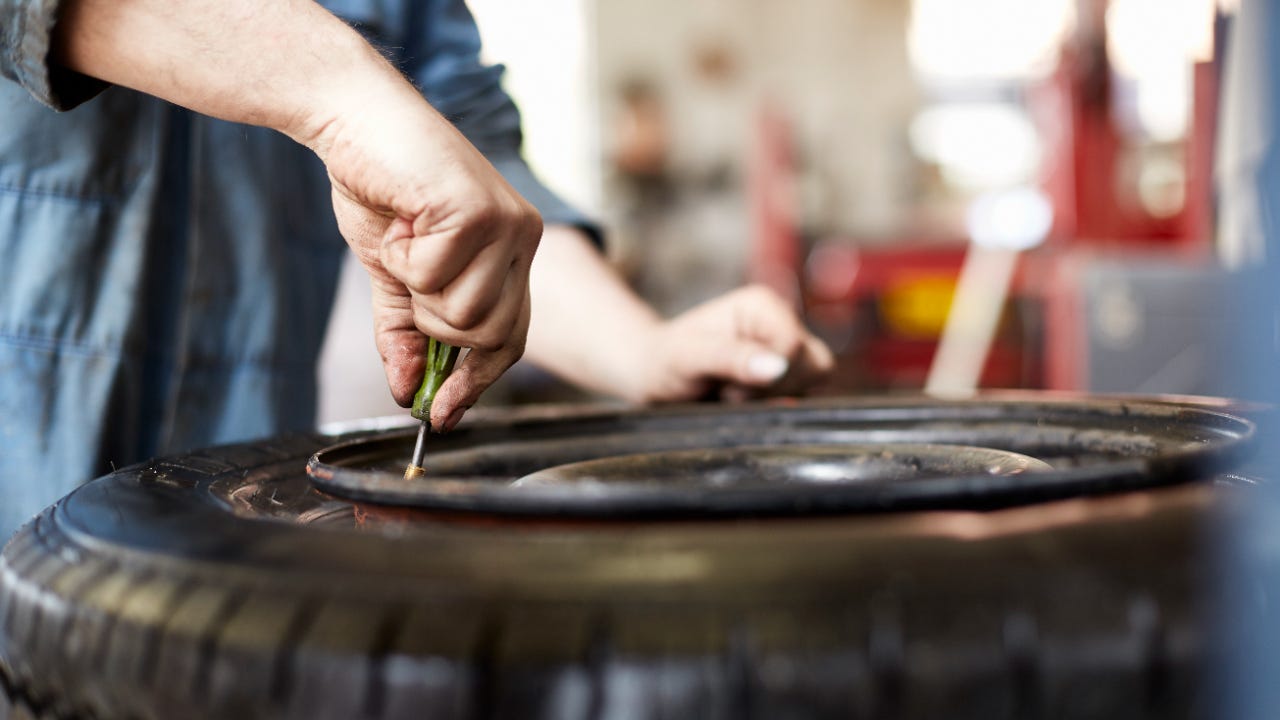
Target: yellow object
(917, 307)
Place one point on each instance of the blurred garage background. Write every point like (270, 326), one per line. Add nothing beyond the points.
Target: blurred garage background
(994, 193)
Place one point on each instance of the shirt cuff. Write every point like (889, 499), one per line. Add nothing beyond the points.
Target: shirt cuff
(553, 209)
(24, 55)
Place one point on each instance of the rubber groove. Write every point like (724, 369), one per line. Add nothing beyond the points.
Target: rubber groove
(484, 666)
(738, 665)
(153, 636)
(208, 644)
(598, 656)
(285, 661)
(389, 628)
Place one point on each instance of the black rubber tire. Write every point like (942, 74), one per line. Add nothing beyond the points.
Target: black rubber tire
(145, 595)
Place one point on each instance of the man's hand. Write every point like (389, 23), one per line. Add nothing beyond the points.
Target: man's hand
(447, 242)
(746, 343)
(592, 330)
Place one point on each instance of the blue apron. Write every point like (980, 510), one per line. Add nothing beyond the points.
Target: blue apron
(166, 278)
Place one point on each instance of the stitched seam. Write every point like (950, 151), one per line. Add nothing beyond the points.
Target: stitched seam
(33, 47)
(95, 198)
(200, 364)
(35, 342)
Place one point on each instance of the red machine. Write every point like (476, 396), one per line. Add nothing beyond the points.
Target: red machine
(883, 308)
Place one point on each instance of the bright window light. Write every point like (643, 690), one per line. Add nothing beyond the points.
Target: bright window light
(986, 39)
(1152, 45)
(1016, 219)
(978, 145)
(551, 83)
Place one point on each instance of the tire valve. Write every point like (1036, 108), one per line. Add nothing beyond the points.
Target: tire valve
(440, 360)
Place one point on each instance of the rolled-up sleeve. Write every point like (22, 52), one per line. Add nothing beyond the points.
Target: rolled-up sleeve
(26, 30)
(442, 55)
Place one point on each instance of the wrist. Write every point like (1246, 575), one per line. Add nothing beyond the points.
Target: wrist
(639, 368)
(588, 326)
(361, 82)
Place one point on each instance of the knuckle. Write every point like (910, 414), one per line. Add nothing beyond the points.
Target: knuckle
(488, 340)
(532, 226)
(416, 275)
(515, 348)
(793, 347)
(498, 334)
(463, 316)
(521, 219)
(484, 216)
(393, 256)
(423, 278)
(514, 221)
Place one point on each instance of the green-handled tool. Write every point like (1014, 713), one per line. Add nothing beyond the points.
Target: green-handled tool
(440, 360)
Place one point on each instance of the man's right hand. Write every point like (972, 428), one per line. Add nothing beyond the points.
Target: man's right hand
(446, 240)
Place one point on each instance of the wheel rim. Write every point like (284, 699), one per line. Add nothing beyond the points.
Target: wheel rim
(666, 462)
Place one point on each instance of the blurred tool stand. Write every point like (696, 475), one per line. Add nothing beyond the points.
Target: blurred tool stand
(1118, 294)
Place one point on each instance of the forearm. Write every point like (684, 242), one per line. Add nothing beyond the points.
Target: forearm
(587, 326)
(283, 64)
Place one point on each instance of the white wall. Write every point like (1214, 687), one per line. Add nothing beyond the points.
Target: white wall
(838, 68)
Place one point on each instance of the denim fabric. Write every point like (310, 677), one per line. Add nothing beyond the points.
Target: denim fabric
(166, 278)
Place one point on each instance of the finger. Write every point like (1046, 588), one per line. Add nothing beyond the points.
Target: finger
(489, 335)
(811, 364)
(763, 316)
(426, 263)
(768, 349)
(402, 347)
(362, 228)
(818, 357)
(766, 318)
(707, 355)
(474, 374)
(467, 301)
(402, 343)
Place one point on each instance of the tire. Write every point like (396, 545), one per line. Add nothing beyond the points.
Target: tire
(220, 584)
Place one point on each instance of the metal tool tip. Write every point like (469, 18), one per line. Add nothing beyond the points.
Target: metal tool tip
(415, 469)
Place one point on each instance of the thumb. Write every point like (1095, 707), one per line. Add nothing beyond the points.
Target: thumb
(757, 365)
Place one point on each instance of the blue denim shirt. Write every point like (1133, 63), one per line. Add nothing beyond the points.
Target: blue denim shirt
(166, 278)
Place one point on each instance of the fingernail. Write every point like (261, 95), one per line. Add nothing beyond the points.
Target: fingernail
(766, 367)
(454, 418)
